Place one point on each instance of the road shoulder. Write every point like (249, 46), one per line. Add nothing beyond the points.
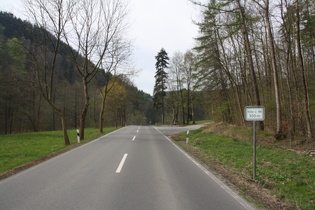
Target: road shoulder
(250, 190)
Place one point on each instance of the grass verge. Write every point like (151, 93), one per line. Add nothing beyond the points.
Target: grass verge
(16, 150)
(285, 179)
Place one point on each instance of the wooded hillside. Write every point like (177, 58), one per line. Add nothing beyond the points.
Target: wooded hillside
(22, 105)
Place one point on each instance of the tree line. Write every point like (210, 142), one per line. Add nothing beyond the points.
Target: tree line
(260, 53)
(250, 52)
(53, 79)
(176, 94)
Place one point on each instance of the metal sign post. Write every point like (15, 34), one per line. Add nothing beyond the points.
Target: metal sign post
(254, 150)
(254, 113)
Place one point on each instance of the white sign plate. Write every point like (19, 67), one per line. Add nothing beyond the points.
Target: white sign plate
(254, 113)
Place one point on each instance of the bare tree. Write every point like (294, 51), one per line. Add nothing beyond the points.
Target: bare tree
(51, 18)
(104, 93)
(189, 70)
(266, 12)
(302, 68)
(94, 31)
(249, 55)
(176, 78)
(116, 59)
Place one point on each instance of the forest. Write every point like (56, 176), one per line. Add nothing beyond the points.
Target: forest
(249, 53)
(23, 107)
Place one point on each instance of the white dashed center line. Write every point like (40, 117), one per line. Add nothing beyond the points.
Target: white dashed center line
(122, 162)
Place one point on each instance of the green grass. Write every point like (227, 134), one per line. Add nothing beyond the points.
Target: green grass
(19, 149)
(289, 176)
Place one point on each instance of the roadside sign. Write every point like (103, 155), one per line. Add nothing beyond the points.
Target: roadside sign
(254, 113)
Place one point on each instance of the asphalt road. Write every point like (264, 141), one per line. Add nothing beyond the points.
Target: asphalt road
(136, 167)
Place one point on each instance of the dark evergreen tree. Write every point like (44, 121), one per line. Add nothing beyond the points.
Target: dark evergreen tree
(160, 81)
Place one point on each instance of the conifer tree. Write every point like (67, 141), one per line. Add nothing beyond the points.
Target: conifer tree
(160, 81)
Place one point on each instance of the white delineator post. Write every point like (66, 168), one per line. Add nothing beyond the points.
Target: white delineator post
(187, 137)
(78, 136)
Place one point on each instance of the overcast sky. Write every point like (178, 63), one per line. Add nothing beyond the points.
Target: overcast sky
(154, 24)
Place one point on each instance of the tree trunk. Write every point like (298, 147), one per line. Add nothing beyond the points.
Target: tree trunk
(175, 115)
(279, 134)
(62, 116)
(82, 121)
(182, 105)
(292, 121)
(75, 110)
(237, 89)
(101, 116)
(288, 68)
(85, 109)
(37, 119)
(54, 120)
(188, 105)
(222, 69)
(162, 110)
(193, 113)
(250, 59)
(101, 120)
(301, 65)
(64, 128)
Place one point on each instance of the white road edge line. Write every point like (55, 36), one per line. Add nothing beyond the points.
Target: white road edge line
(122, 162)
(63, 154)
(236, 196)
(134, 138)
